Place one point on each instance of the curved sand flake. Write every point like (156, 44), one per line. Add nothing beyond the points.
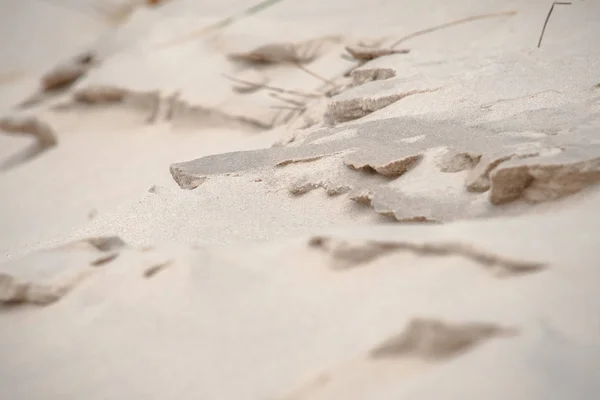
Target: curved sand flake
(347, 107)
(424, 343)
(362, 76)
(349, 254)
(538, 180)
(378, 163)
(432, 339)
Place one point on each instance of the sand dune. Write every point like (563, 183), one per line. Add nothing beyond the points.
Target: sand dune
(299, 200)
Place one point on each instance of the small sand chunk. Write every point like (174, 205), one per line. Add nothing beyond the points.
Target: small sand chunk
(431, 339)
(99, 94)
(66, 74)
(364, 75)
(362, 196)
(363, 53)
(62, 76)
(105, 259)
(106, 243)
(305, 185)
(156, 268)
(459, 161)
(390, 169)
(348, 108)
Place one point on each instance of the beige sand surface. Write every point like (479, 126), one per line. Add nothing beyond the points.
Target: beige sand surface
(313, 200)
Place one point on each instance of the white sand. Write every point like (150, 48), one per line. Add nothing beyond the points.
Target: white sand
(427, 229)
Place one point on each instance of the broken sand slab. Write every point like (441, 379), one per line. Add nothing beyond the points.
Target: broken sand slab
(349, 105)
(429, 317)
(491, 87)
(451, 86)
(45, 277)
(381, 155)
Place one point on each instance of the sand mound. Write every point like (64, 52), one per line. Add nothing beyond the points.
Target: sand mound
(299, 200)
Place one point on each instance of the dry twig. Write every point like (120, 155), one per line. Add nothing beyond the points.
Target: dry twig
(556, 3)
(222, 23)
(450, 24)
(275, 88)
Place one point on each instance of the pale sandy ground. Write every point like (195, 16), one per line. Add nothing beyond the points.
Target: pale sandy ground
(426, 229)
